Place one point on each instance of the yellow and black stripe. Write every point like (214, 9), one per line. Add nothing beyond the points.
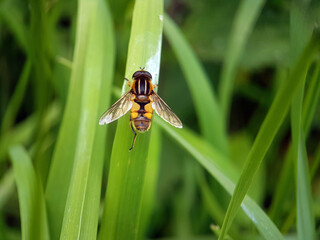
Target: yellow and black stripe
(141, 111)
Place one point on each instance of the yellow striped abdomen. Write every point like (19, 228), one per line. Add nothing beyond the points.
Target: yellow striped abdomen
(141, 115)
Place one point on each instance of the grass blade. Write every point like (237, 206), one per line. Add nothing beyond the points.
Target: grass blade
(269, 128)
(16, 100)
(311, 100)
(6, 187)
(305, 218)
(92, 66)
(225, 173)
(11, 14)
(31, 198)
(244, 21)
(23, 132)
(206, 105)
(309, 106)
(150, 182)
(81, 214)
(121, 216)
(62, 162)
(92, 201)
(300, 32)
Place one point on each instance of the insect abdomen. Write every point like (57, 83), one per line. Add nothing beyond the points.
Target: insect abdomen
(141, 115)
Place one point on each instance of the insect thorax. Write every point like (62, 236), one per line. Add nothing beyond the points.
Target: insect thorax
(142, 86)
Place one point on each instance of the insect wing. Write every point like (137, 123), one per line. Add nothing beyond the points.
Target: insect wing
(164, 111)
(118, 109)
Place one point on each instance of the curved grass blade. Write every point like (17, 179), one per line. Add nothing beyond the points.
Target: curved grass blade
(150, 182)
(23, 132)
(311, 100)
(225, 173)
(208, 111)
(121, 216)
(92, 67)
(305, 218)
(31, 198)
(287, 173)
(269, 128)
(16, 99)
(82, 207)
(13, 16)
(6, 187)
(243, 24)
(300, 33)
(64, 152)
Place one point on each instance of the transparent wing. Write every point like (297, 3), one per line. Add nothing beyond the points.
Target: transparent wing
(164, 111)
(118, 109)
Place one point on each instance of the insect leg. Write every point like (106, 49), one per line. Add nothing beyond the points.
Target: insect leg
(135, 136)
(128, 82)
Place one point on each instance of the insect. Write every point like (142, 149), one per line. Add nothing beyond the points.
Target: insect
(141, 100)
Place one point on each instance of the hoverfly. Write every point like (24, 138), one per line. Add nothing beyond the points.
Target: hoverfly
(141, 100)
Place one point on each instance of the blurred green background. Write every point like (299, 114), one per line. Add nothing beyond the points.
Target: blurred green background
(36, 53)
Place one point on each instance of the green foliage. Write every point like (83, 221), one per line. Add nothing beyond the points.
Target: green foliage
(34, 223)
(231, 70)
(125, 190)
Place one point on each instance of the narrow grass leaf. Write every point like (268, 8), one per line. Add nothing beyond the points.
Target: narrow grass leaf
(269, 128)
(81, 211)
(287, 174)
(150, 183)
(92, 202)
(62, 162)
(305, 218)
(300, 32)
(210, 117)
(316, 162)
(6, 187)
(16, 99)
(80, 99)
(121, 216)
(13, 17)
(23, 132)
(31, 198)
(311, 100)
(243, 24)
(224, 172)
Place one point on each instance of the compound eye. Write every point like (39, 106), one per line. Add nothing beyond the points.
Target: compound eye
(136, 74)
(149, 75)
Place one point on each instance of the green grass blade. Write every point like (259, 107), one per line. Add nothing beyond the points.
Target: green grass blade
(316, 162)
(300, 32)
(16, 99)
(210, 117)
(150, 182)
(62, 162)
(224, 172)
(93, 63)
(31, 198)
(82, 207)
(305, 218)
(92, 201)
(121, 216)
(23, 132)
(269, 128)
(287, 174)
(13, 16)
(311, 100)
(243, 24)
(6, 187)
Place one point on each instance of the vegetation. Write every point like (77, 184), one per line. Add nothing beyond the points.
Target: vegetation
(243, 76)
